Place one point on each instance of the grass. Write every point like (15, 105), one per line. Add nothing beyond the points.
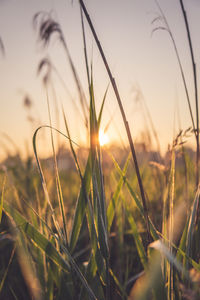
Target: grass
(91, 234)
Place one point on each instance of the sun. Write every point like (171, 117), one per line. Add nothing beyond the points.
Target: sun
(103, 138)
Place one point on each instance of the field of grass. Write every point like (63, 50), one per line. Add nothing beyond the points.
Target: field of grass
(102, 222)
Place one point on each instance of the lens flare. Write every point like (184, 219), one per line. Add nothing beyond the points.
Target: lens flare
(103, 138)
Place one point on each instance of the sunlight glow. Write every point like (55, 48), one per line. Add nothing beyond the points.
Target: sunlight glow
(103, 138)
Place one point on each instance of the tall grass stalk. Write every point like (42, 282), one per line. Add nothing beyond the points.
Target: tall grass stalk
(126, 124)
(58, 184)
(171, 225)
(168, 29)
(195, 87)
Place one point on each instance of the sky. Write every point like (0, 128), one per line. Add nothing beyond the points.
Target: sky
(143, 64)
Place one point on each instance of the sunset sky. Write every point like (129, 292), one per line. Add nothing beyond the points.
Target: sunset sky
(144, 66)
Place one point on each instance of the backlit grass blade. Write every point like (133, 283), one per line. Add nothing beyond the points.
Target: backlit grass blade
(71, 145)
(58, 184)
(192, 222)
(100, 179)
(96, 251)
(43, 178)
(41, 172)
(81, 205)
(101, 108)
(102, 230)
(98, 193)
(82, 199)
(115, 198)
(126, 124)
(182, 244)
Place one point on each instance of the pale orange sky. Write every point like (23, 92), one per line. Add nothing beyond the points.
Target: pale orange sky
(137, 60)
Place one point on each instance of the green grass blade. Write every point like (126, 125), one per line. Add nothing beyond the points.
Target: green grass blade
(92, 226)
(126, 124)
(101, 109)
(43, 243)
(137, 201)
(182, 246)
(93, 279)
(58, 184)
(115, 199)
(43, 178)
(192, 222)
(37, 238)
(102, 230)
(71, 145)
(85, 186)
(136, 235)
(118, 284)
(81, 205)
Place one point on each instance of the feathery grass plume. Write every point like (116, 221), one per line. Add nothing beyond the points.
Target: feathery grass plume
(46, 26)
(144, 202)
(46, 64)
